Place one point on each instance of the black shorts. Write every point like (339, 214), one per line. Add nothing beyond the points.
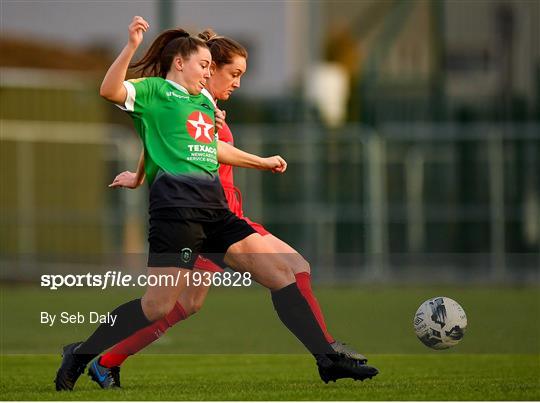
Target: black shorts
(178, 235)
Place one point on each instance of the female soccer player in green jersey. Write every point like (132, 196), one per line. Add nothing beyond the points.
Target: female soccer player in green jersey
(187, 207)
(229, 64)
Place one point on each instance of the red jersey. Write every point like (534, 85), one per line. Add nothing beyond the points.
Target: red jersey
(232, 193)
(226, 171)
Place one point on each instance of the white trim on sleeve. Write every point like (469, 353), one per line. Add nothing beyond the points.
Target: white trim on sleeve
(129, 104)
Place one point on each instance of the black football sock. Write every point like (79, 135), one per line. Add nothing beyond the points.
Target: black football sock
(129, 318)
(295, 313)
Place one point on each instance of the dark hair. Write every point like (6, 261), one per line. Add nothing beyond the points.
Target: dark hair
(169, 44)
(223, 49)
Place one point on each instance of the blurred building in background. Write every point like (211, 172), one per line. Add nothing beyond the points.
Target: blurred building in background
(411, 128)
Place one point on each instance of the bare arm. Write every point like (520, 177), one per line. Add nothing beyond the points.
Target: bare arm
(112, 88)
(140, 170)
(230, 155)
(131, 180)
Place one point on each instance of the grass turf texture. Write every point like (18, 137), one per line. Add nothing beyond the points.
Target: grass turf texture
(498, 359)
(285, 377)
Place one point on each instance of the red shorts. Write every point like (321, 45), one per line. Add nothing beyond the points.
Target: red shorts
(234, 198)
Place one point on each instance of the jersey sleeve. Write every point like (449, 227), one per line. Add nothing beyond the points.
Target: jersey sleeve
(139, 93)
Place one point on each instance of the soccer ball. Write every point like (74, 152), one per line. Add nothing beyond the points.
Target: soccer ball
(440, 323)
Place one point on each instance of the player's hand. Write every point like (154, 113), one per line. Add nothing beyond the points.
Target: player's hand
(126, 179)
(220, 118)
(136, 29)
(276, 164)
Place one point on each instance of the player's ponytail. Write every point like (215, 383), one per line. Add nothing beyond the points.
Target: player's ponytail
(169, 44)
(223, 49)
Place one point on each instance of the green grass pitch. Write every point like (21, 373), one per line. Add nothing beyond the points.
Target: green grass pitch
(285, 377)
(236, 349)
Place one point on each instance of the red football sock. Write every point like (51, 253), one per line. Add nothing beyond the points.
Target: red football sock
(303, 281)
(137, 341)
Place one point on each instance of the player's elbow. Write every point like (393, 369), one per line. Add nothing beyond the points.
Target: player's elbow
(106, 93)
(110, 94)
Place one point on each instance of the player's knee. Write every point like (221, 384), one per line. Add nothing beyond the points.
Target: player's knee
(299, 264)
(304, 267)
(284, 274)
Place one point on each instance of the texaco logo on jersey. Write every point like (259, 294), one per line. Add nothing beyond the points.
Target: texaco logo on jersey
(201, 127)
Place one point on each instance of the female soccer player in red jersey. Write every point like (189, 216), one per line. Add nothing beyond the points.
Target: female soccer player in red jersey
(229, 63)
(189, 215)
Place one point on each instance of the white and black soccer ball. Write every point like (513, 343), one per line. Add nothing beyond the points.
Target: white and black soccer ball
(440, 323)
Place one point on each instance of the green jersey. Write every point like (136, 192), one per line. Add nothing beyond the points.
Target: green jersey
(180, 143)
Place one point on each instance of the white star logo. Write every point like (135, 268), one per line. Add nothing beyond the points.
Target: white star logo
(202, 128)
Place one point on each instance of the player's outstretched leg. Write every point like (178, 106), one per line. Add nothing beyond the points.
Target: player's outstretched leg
(274, 272)
(294, 312)
(302, 273)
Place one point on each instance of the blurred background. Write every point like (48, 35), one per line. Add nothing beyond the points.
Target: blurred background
(411, 129)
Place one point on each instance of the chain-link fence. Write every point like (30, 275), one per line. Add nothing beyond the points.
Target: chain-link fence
(408, 202)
